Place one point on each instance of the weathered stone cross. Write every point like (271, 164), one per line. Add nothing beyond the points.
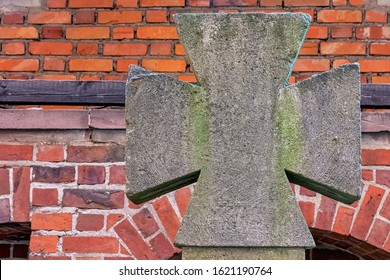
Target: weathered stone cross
(242, 135)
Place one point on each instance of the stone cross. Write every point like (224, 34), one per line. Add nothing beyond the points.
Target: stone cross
(242, 135)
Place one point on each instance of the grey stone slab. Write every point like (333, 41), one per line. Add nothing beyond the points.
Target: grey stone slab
(238, 133)
(107, 119)
(375, 121)
(43, 119)
(238, 253)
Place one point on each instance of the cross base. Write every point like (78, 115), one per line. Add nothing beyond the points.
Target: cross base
(242, 253)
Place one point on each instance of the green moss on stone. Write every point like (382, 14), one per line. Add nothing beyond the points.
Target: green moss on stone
(199, 127)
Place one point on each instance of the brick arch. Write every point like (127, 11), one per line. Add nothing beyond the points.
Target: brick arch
(362, 227)
(348, 244)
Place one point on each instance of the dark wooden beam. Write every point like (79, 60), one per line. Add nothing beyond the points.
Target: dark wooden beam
(108, 93)
(375, 96)
(62, 92)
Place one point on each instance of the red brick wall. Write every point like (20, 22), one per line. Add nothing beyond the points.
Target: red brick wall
(90, 39)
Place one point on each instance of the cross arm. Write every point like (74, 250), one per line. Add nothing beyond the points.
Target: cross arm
(162, 118)
(323, 146)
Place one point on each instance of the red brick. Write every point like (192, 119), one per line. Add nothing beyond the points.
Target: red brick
(87, 49)
(160, 48)
(293, 3)
(112, 219)
(343, 48)
(90, 244)
(51, 221)
(56, 3)
(49, 17)
(127, 3)
(375, 157)
(307, 209)
(4, 181)
(270, 3)
(115, 77)
(343, 221)
(116, 17)
(45, 197)
(167, 216)
(78, 33)
(183, 198)
(43, 244)
(312, 65)
(52, 153)
(339, 16)
(84, 17)
(162, 3)
(380, 79)
(317, 32)
(123, 32)
(198, 3)
(113, 153)
(367, 175)
(134, 241)
(46, 257)
(165, 65)
(90, 64)
(13, 32)
(376, 16)
(326, 213)
(179, 50)
(19, 65)
(379, 233)
(380, 49)
(13, 18)
(123, 65)
(385, 211)
(155, 16)
(93, 199)
(383, 177)
(309, 48)
(91, 3)
(56, 77)
(338, 3)
(52, 32)
(157, 32)
(13, 48)
(90, 222)
(51, 48)
(54, 64)
(367, 211)
(163, 248)
(91, 175)
(125, 49)
(342, 31)
(145, 223)
(46, 174)
(356, 2)
(374, 65)
(117, 175)
(373, 32)
(89, 77)
(235, 3)
(5, 211)
(306, 192)
(21, 194)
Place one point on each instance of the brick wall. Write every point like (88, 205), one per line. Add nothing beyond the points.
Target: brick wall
(97, 40)
(70, 183)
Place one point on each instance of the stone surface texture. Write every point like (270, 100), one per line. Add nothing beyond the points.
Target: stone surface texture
(244, 133)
